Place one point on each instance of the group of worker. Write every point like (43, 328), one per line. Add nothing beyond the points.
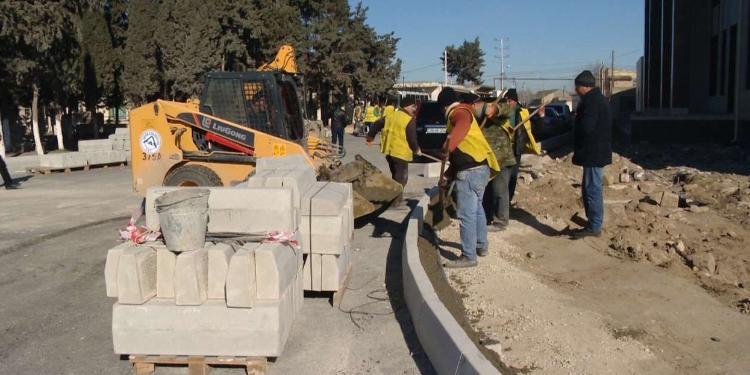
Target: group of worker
(484, 159)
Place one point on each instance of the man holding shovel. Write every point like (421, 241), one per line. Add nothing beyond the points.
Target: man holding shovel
(508, 130)
(473, 164)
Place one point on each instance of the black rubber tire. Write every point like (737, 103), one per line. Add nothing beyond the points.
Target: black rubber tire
(192, 175)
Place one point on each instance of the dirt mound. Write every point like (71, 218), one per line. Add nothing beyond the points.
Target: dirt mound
(672, 216)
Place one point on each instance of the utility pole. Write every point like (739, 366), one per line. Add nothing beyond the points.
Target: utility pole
(445, 67)
(612, 75)
(502, 60)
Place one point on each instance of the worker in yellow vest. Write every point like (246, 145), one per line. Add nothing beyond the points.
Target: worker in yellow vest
(472, 165)
(372, 114)
(398, 140)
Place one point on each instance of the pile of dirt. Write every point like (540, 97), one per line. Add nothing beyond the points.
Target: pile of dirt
(695, 214)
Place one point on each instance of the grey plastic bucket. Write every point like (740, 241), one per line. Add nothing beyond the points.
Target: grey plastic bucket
(183, 217)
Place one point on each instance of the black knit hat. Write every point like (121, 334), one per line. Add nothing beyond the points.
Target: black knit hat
(447, 96)
(586, 78)
(512, 94)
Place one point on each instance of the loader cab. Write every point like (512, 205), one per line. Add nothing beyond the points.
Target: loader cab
(268, 102)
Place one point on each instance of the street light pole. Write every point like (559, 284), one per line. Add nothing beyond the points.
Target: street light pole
(445, 67)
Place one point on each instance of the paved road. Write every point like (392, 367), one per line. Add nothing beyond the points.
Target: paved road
(55, 317)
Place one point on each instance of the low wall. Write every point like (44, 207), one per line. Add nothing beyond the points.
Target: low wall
(447, 345)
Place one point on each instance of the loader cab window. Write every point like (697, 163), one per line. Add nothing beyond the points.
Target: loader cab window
(259, 109)
(292, 111)
(220, 99)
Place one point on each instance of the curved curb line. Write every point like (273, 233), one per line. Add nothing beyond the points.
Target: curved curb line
(447, 345)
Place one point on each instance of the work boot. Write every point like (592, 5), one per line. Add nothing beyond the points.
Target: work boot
(496, 227)
(482, 252)
(585, 232)
(12, 186)
(461, 262)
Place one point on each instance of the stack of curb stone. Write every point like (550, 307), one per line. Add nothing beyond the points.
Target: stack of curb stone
(115, 149)
(238, 298)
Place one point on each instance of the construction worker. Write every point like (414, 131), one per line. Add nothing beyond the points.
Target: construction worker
(592, 150)
(398, 140)
(472, 165)
(7, 180)
(358, 119)
(371, 115)
(338, 123)
(509, 141)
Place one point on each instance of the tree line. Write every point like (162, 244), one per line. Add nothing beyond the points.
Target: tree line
(62, 56)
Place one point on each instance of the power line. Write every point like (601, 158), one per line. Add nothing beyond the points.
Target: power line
(421, 68)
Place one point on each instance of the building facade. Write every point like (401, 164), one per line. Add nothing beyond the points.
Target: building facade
(696, 62)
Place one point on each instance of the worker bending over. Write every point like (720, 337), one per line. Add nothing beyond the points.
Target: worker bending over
(472, 165)
(398, 140)
(508, 140)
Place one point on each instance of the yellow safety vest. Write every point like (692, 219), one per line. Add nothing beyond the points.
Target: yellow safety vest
(474, 144)
(531, 147)
(393, 136)
(370, 114)
(388, 109)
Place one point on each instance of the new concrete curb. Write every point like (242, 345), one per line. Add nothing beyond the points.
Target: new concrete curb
(447, 345)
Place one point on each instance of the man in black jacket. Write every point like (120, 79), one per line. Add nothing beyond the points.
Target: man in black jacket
(592, 150)
(338, 123)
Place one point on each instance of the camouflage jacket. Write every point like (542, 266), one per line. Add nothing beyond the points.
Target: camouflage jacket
(499, 136)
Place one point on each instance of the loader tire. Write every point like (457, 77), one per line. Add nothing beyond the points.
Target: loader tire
(192, 175)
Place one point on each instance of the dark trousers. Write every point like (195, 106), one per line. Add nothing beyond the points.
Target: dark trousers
(337, 136)
(4, 172)
(512, 181)
(496, 199)
(399, 172)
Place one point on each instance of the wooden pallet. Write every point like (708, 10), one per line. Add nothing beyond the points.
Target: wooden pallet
(197, 365)
(48, 170)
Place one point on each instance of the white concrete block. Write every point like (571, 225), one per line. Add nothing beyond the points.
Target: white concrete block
(63, 160)
(110, 267)
(161, 328)
(298, 287)
(165, 266)
(191, 278)
(275, 269)
(123, 131)
(334, 270)
(94, 145)
(430, 170)
(251, 210)
(282, 162)
(136, 275)
(307, 273)
(219, 256)
(316, 268)
(241, 288)
(325, 234)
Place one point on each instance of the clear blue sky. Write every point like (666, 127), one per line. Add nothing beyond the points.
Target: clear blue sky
(547, 38)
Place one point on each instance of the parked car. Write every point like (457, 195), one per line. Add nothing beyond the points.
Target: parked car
(431, 127)
(562, 110)
(551, 124)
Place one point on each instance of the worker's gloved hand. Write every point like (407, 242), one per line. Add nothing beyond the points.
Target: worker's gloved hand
(418, 152)
(442, 155)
